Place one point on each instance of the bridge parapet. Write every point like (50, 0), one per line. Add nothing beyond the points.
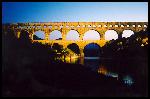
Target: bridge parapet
(82, 24)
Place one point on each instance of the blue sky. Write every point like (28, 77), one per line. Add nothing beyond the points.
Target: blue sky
(13, 12)
(74, 11)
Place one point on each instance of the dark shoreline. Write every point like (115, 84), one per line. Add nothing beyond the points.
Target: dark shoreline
(67, 80)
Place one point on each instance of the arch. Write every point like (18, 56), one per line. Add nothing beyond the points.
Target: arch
(94, 49)
(39, 35)
(24, 35)
(55, 35)
(111, 34)
(91, 57)
(91, 35)
(127, 33)
(72, 35)
(74, 47)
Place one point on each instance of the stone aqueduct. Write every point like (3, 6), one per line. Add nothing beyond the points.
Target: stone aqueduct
(80, 27)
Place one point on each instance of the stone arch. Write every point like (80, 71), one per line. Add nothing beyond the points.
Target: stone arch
(87, 35)
(111, 34)
(88, 59)
(72, 33)
(127, 33)
(94, 44)
(55, 35)
(38, 35)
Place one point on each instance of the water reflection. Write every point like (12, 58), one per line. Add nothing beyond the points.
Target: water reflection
(103, 70)
(92, 63)
(73, 59)
(128, 80)
(95, 64)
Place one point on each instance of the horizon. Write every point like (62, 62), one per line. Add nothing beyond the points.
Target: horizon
(81, 22)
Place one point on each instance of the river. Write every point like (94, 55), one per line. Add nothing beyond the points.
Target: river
(130, 72)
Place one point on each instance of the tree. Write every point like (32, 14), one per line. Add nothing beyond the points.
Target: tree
(24, 38)
(74, 47)
(36, 37)
(57, 47)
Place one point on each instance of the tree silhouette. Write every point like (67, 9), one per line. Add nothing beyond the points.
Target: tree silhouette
(36, 37)
(57, 47)
(74, 47)
(126, 47)
(24, 36)
(24, 39)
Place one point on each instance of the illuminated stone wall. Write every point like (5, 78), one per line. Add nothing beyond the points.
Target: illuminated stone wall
(80, 27)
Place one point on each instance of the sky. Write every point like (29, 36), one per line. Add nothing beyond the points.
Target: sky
(74, 11)
(13, 12)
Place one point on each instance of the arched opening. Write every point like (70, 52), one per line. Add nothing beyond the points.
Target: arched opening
(91, 35)
(72, 35)
(39, 35)
(111, 34)
(92, 53)
(127, 33)
(92, 50)
(55, 35)
(74, 47)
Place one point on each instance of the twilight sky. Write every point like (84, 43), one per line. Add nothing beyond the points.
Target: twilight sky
(74, 11)
(13, 12)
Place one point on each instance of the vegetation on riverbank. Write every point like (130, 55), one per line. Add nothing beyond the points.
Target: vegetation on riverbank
(30, 70)
(136, 46)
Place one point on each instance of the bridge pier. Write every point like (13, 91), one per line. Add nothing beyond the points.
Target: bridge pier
(81, 53)
(82, 56)
(63, 32)
(46, 36)
(102, 36)
(119, 35)
(81, 37)
(31, 34)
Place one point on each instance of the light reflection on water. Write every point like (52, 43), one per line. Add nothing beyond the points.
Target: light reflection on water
(91, 57)
(128, 80)
(94, 63)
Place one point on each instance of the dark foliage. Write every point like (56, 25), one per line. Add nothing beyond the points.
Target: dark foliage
(29, 69)
(74, 47)
(127, 47)
(36, 37)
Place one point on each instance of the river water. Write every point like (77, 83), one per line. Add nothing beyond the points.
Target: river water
(129, 72)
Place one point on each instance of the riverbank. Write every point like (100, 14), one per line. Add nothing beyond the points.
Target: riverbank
(61, 79)
(31, 70)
